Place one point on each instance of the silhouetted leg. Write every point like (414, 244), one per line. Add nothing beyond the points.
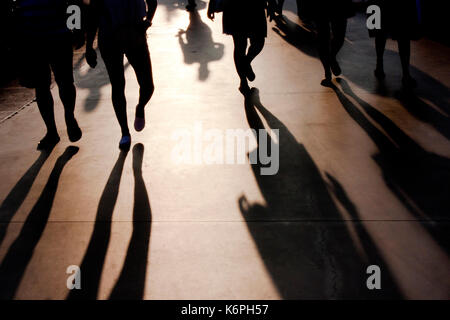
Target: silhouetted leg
(62, 66)
(67, 93)
(280, 6)
(139, 58)
(339, 28)
(404, 49)
(256, 46)
(45, 104)
(240, 61)
(380, 45)
(114, 65)
(323, 35)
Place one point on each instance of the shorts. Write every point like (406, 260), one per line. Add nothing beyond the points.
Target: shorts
(40, 56)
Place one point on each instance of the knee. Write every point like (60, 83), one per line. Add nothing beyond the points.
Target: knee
(43, 92)
(147, 90)
(66, 88)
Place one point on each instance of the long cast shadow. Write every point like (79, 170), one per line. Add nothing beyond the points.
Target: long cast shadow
(420, 179)
(21, 251)
(131, 282)
(18, 193)
(93, 80)
(299, 232)
(358, 62)
(173, 5)
(199, 46)
(421, 110)
(369, 249)
(296, 35)
(94, 258)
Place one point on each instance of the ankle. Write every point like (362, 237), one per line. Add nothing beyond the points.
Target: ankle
(52, 133)
(140, 111)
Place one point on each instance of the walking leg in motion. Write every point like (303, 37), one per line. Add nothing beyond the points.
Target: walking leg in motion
(380, 45)
(339, 28)
(139, 59)
(240, 61)
(256, 46)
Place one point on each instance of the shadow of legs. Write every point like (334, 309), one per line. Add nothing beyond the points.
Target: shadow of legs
(21, 251)
(418, 178)
(131, 282)
(17, 195)
(370, 252)
(94, 258)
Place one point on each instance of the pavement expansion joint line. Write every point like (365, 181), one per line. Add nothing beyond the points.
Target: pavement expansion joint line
(17, 111)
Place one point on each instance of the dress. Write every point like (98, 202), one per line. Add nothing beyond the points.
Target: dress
(328, 10)
(44, 43)
(399, 19)
(245, 17)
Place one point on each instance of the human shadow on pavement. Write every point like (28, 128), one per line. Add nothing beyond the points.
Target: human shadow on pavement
(174, 5)
(299, 232)
(357, 59)
(420, 179)
(18, 193)
(93, 80)
(421, 110)
(94, 258)
(21, 251)
(131, 282)
(366, 245)
(198, 46)
(296, 35)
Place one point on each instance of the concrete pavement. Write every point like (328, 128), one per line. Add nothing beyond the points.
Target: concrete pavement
(363, 177)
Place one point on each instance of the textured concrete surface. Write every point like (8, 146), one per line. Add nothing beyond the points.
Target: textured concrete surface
(363, 179)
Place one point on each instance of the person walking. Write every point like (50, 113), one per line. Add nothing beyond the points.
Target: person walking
(44, 45)
(330, 17)
(191, 5)
(122, 26)
(400, 20)
(244, 21)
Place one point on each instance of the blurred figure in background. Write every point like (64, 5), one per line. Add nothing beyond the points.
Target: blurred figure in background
(400, 20)
(122, 26)
(191, 5)
(244, 20)
(330, 17)
(44, 44)
(280, 4)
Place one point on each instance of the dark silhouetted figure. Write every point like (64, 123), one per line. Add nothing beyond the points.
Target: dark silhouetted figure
(21, 251)
(44, 44)
(122, 26)
(191, 5)
(280, 4)
(331, 17)
(244, 20)
(199, 46)
(131, 282)
(400, 20)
